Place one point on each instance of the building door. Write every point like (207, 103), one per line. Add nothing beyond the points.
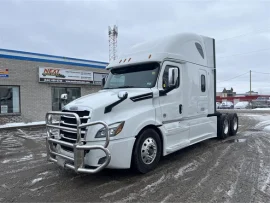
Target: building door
(57, 102)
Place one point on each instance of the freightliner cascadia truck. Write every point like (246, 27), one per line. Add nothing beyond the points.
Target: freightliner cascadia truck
(159, 97)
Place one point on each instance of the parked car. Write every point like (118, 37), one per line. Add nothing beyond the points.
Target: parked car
(226, 105)
(242, 105)
(260, 102)
(218, 104)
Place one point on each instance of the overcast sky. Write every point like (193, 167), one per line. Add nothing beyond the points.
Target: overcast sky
(79, 29)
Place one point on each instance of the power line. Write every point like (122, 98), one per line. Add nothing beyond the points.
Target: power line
(260, 50)
(245, 34)
(234, 77)
(260, 72)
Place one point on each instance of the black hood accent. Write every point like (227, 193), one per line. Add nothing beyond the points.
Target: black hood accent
(109, 107)
(142, 97)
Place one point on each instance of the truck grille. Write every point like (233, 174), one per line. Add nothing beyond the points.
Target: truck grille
(70, 122)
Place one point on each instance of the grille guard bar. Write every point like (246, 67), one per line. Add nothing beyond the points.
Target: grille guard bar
(78, 147)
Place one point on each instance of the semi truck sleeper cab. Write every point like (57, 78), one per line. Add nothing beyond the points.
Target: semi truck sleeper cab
(159, 97)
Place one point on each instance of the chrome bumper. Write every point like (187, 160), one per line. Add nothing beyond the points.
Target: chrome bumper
(76, 163)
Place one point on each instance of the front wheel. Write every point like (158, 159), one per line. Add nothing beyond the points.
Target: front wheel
(147, 151)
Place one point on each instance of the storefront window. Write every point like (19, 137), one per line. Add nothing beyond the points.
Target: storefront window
(63, 95)
(9, 99)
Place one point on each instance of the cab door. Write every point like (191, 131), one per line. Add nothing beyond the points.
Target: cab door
(172, 108)
(203, 97)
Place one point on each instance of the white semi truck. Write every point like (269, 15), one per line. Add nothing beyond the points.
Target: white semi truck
(159, 97)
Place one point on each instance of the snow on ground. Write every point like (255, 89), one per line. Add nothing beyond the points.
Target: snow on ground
(18, 160)
(264, 123)
(33, 135)
(16, 125)
(262, 109)
(264, 120)
(36, 180)
(267, 129)
(264, 178)
(250, 115)
(187, 168)
(10, 125)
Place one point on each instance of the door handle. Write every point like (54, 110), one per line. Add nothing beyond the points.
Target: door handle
(180, 108)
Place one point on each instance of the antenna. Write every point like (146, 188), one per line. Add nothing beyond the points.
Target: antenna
(113, 34)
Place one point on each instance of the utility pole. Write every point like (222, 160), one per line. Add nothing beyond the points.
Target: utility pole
(250, 82)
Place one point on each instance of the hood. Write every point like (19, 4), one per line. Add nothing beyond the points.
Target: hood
(103, 98)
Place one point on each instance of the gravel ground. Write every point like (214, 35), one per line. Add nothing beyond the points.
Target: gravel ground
(233, 170)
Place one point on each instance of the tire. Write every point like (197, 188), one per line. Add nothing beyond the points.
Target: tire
(146, 142)
(233, 128)
(223, 126)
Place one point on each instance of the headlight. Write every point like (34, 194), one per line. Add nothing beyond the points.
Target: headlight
(114, 129)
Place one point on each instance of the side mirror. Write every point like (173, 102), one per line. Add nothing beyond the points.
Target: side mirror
(173, 76)
(122, 95)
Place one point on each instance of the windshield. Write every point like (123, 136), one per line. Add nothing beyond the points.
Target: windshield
(137, 76)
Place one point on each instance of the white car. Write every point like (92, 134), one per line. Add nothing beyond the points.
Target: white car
(241, 105)
(226, 105)
(218, 104)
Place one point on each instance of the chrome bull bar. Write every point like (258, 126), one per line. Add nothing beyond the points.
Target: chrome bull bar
(78, 148)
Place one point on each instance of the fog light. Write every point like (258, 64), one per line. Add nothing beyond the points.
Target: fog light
(102, 160)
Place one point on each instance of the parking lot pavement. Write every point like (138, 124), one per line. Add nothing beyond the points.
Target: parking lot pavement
(234, 170)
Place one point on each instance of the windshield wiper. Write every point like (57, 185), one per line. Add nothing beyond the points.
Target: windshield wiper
(126, 86)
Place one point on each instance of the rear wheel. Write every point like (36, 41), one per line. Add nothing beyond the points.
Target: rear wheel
(147, 151)
(233, 118)
(223, 126)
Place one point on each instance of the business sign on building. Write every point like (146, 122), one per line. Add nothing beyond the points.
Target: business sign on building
(59, 75)
(4, 73)
(98, 77)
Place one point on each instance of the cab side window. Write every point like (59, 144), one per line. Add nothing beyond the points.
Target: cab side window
(165, 77)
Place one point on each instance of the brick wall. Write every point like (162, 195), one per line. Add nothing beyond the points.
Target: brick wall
(35, 97)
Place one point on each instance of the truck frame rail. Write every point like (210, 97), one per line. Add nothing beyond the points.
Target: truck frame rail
(75, 163)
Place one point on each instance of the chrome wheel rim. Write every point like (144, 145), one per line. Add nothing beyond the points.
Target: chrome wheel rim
(235, 123)
(149, 150)
(226, 127)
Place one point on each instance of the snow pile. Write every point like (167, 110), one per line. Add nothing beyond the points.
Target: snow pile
(10, 125)
(262, 109)
(262, 124)
(14, 125)
(267, 128)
